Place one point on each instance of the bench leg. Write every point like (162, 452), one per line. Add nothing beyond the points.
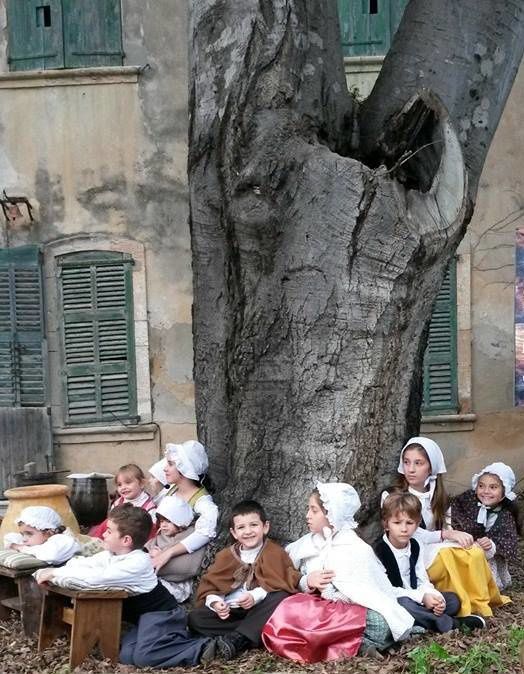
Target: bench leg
(30, 604)
(95, 621)
(51, 624)
(7, 591)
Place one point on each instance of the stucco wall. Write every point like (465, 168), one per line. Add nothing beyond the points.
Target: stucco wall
(103, 154)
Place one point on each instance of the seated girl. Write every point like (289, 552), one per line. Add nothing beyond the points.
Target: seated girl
(186, 470)
(174, 519)
(347, 603)
(489, 513)
(130, 482)
(42, 535)
(452, 562)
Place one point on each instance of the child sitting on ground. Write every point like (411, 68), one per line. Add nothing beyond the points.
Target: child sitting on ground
(42, 535)
(361, 614)
(174, 517)
(130, 482)
(489, 513)
(123, 564)
(244, 585)
(402, 558)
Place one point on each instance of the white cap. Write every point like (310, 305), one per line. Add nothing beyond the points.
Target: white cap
(433, 451)
(39, 517)
(341, 502)
(176, 510)
(190, 458)
(157, 470)
(505, 475)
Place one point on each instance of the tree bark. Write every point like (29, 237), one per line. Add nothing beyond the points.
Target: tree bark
(316, 255)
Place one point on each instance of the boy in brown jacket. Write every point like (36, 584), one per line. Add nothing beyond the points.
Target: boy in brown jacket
(243, 586)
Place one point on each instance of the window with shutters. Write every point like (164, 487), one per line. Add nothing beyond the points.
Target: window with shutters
(48, 34)
(440, 359)
(367, 26)
(22, 343)
(98, 356)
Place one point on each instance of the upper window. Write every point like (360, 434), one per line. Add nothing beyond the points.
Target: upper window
(49, 34)
(367, 26)
(98, 343)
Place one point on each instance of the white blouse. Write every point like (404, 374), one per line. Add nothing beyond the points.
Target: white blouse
(206, 512)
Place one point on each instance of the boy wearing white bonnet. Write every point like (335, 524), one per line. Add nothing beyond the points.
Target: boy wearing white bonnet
(175, 523)
(489, 513)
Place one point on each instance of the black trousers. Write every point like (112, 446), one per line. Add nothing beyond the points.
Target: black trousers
(424, 617)
(158, 599)
(249, 623)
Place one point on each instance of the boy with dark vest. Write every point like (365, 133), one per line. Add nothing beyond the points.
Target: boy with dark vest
(402, 558)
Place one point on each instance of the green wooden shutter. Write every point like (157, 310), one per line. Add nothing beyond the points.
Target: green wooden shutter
(440, 359)
(98, 337)
(367, 26)
(22, 344)
(35, 34)
(92, 33)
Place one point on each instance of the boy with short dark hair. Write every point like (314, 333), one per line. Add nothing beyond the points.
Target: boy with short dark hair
(243, 586)
(402, 557)
(122, 564)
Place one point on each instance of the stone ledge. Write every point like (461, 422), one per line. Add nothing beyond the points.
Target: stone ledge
(31, 79)
(92, 434)
(448, 423)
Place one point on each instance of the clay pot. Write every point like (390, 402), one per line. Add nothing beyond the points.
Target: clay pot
(52, 495)
(90, 500)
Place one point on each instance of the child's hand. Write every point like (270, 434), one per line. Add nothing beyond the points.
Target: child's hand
(484, 543)
(44, 575)
(154, 552)
(246, 601)
(434, 603)
(161, 558)
(15, 546)
(461, 537)
(221, 609)
(319, 580)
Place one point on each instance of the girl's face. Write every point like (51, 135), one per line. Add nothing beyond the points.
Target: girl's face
(315, 516)
(490, 490)
(154, 487)
(167, 527)
(173, 476)
(128, 486)
(33, 536)
(417, 467)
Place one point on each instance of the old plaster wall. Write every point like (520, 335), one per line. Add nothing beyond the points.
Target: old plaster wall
(101, 154)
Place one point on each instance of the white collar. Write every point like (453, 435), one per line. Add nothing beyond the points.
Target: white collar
(398, 552)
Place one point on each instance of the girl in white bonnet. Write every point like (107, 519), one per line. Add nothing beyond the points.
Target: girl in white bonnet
(42, 536)
(347, 604)
(453, 563)
(186, 470)
(489, 513)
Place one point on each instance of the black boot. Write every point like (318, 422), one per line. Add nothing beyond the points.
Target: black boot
(228, 646)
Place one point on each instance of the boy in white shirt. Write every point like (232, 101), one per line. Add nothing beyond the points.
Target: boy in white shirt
(123, 564)
(402, 558)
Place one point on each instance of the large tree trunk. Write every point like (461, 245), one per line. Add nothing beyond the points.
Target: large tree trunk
(318, 250)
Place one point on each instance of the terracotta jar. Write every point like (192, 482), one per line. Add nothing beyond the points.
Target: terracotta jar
(53, 495)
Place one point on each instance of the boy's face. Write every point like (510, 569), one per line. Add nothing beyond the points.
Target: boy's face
(166, 527)
(114, 542)
(400, 528)
(249, 530)
(33, 536)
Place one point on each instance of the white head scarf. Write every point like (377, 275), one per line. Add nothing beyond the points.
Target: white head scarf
(157, 471)
(505, 475)
(341, 502)
(176, 510)
(40, 517)
(190, 458)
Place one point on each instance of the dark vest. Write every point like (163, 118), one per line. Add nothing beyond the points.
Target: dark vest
(386, 556)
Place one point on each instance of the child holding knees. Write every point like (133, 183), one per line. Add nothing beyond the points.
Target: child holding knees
(243, 586)
(452, 562)
(130, 482)
(123, 564)
(185, 471)
(489, 513)
(347, 605)
(174, 524)
(43, 536)
(401, 555)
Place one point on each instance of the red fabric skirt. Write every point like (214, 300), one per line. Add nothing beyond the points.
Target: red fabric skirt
(307, 628)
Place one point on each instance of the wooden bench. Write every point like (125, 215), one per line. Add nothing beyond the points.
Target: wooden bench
(94, 616)
(20, 592)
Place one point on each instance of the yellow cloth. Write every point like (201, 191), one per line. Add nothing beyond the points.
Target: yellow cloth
(465, 572)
